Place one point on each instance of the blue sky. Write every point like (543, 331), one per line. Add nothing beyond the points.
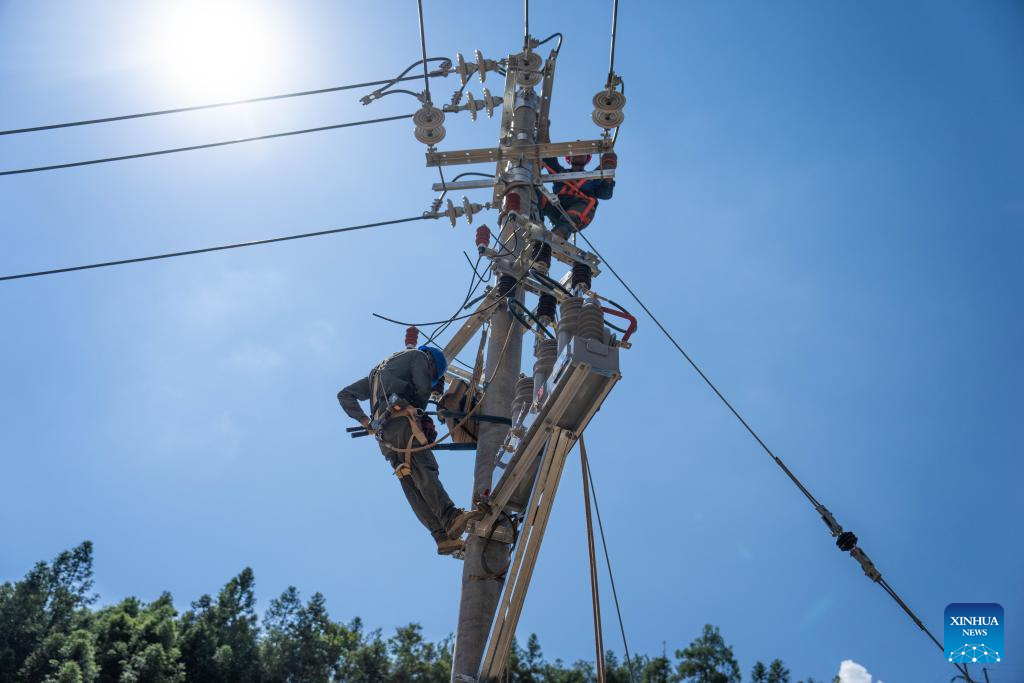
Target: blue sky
(822, 202)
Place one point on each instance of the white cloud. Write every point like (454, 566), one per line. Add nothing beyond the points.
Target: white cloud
(852, 672)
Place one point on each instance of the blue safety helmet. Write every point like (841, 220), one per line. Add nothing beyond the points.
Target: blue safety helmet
(440, 362)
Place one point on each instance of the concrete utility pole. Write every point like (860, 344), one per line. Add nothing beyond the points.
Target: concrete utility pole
(547, 416)
(480, 590)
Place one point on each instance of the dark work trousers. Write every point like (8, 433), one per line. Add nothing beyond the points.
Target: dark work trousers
(423, 489)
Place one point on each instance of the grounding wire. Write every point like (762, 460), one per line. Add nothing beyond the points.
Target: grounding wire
(204, 250)
(231, 103)
(205, 146)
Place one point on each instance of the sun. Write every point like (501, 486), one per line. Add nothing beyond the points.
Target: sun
(215, 49)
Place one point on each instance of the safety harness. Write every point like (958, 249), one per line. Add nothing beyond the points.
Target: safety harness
(574, 188)
(385, 410)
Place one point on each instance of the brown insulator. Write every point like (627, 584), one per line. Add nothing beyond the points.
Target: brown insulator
(580, 275)
(507, 285)
(546, 308)
(412, 335)
(591, 321)
(568, 325)
(512, 202)
(541, 256)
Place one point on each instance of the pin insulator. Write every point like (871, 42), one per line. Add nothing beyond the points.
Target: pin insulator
(412, 335)
(483, 238)
(506, 285)
(581, 275)
(512, 202)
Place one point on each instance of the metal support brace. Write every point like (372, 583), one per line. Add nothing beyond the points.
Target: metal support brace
(599, 173)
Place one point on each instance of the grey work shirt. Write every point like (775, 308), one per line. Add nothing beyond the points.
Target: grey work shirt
(408, 373)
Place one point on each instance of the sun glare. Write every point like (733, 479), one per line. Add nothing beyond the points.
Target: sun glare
(217, 49)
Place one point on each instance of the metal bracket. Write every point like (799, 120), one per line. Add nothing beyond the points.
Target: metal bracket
(502, 533)
(486, 155)
(603, 174)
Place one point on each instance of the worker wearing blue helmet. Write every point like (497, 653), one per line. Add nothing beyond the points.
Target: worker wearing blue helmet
(398, 390)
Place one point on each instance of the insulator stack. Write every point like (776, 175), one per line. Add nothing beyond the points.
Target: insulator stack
(412, 335)
(522, 399)
(507, 285)
(568, 325)
(542, 256)
(545, 351)
(591, 325)
(483, 238)
(580, 275)
(546, 308)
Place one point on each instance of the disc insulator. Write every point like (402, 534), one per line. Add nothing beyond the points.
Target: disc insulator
(608, 119)
(609, 100)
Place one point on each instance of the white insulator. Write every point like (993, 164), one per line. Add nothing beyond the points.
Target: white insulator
(468, 210)
(528, 79)
(490, 102)
(608, 119)
(462, 68)
(428, 117)
(481, 66)
(609, 100)
(431, 136)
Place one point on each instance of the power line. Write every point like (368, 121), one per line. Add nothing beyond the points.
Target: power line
(125, 117)
(204, 146)
(611, 57)
(826, 515)
(204, 250)
(423, 49)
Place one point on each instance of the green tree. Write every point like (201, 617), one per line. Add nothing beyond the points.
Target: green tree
(300, 642)
(44, 619)
(526, 666)
(653, 669)
(415, 659)
(219, 639)
(759, 673)
(137, 642)
(707, 660)
(777, 673)
(365, 656)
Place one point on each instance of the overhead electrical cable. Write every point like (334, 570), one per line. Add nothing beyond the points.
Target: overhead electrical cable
(303, 93)
(190, 252)
(208, 145)
(423, 49)
(778, 461)
(611, 56)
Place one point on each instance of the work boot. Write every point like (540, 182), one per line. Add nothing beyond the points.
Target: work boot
(449, 546)
(461, 519)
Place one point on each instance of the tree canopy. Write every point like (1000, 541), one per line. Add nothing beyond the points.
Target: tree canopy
(50, 633)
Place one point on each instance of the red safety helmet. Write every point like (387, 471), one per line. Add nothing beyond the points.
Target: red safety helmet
(568, 159)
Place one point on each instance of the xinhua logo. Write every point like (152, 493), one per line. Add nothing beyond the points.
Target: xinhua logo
(974, 632)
